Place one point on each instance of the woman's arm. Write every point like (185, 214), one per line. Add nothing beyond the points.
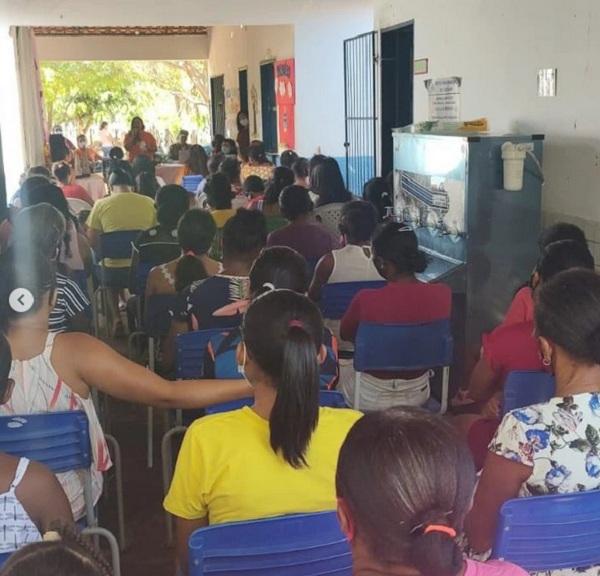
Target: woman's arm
(500, 481)
(323, 272)
(483, 382)
(351, 320)
(183, 530)
(99, 366)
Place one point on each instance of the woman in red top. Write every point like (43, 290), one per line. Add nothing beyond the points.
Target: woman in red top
(138, 142)
(404, 300)
(63, 173)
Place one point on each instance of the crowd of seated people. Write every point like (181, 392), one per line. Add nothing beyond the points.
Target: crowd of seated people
(250, 253)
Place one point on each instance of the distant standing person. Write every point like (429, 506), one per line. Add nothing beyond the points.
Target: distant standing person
(180, 150)
(243, 137)
(138, 142)
(106, 139)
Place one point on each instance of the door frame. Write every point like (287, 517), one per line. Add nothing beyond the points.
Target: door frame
(213, 105)
(247, 109)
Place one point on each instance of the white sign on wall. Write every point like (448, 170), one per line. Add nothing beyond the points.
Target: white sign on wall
(444, 98)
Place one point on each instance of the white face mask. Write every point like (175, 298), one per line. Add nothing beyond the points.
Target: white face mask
(244, 122)
(242, 367)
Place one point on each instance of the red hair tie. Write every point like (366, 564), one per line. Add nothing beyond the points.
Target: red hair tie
(296, 324)
(189, 253)
(440, 528)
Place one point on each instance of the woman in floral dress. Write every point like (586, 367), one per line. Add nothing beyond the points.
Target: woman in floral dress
(553, 447)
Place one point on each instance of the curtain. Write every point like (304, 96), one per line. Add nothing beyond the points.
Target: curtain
(30, 96)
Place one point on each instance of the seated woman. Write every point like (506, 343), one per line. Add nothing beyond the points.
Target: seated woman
(404, 485)
(49, 377)
(258, 162)
(285, 447)
(303, 234)
(378, 193)
(219, 196)
(327, 182)
(231, 168)
(66, 178)
(32, 498)
(513, 347)
(404, 300)
(254, 189)
(521, 308)
(197, 163)
(195, 234)
(282, 178)
(551, 447)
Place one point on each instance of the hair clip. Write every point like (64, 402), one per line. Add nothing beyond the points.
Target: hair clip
(52, 536)
(269, 286)
(296, 324)
(448, 530)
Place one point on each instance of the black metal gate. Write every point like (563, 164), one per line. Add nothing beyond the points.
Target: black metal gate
(360, 83)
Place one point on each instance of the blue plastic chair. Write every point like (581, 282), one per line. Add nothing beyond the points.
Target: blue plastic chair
(61, 441)
(403, 347)
(526, 388)
(191, 348)
(191, 183)
(553, 532)
(336, 298)
(299, 545)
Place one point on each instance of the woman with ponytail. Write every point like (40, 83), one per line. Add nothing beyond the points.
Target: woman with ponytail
(404, 300)
(404, 485)
(277, 457)
(551, 447)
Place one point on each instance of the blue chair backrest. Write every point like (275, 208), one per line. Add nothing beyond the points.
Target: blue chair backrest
(327, 398)
(117, 244)
(336, 298)
(300, 545)
(157, 317)
(60, 440)
(397, 347)
(526, 388)
(142, 272)
(191, 348)
(554, 532)
(191, 183)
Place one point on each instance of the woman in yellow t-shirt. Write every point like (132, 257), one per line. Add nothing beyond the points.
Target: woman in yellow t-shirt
(278, 457)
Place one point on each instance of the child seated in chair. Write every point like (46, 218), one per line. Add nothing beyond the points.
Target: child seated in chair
(404, 300)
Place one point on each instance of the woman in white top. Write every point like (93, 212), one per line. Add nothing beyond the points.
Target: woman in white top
(31, 498)
(54, 372)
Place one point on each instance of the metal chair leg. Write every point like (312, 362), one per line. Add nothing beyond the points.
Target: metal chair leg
(119, 487)
(167, 472)
(150, 436)
(445, 384)
(112, 542)
(357, 392)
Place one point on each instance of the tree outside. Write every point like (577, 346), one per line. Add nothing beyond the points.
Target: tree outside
(168, 95)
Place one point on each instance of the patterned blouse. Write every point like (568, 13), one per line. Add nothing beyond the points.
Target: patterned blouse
(560, 440)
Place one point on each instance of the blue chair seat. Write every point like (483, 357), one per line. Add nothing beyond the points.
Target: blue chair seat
(525, 388)
(299, 545)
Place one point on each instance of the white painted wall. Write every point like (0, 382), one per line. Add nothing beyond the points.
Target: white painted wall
(122, 47)
(497, 47)
(233, 48)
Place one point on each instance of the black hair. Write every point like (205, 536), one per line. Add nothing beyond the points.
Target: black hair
(561, 231)
(231, 168)
(279, 267)
(196, 231)
(327, 182)
(214, 163)
(563, 255)
(116, 153)
(24, 266)
(172, 202)
(282, 178)
(217, 143)
(295, 202)
(257, 153)
(39, 171)
(198, 160)
(253, 185)
(103, 125)
(51, 194)
(397, 243)
(229, 147)
(287, 158)
(567, 313)
(147, 185)
(238, 120)
(244, 234)
(69, 555)
(141, 164)
(377, 192)
(315, 161)
(218, 191)
(5, 365)
(42, 226)
(400, 470)
(300, 168)
(81, 137)
(141, 121)
(62, 171)
(30, 183)
(283, 333)
(358, 221)
(120, 177)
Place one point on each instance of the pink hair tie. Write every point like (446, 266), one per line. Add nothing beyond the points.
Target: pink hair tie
(447, 530)
(296, 324)
(189, 253)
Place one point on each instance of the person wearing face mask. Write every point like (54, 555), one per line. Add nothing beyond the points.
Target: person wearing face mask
(138, 142)
(243, 137)
(84, 158)
(285, 446)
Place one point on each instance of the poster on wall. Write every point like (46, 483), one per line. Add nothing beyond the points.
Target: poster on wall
(444, 98)
(285, 89)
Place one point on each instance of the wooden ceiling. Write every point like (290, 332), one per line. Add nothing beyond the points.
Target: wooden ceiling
(121, 31)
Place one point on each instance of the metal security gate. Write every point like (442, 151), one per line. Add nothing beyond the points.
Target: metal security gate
(360, 82)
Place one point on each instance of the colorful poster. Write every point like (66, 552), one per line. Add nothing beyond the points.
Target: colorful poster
(285, 89)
